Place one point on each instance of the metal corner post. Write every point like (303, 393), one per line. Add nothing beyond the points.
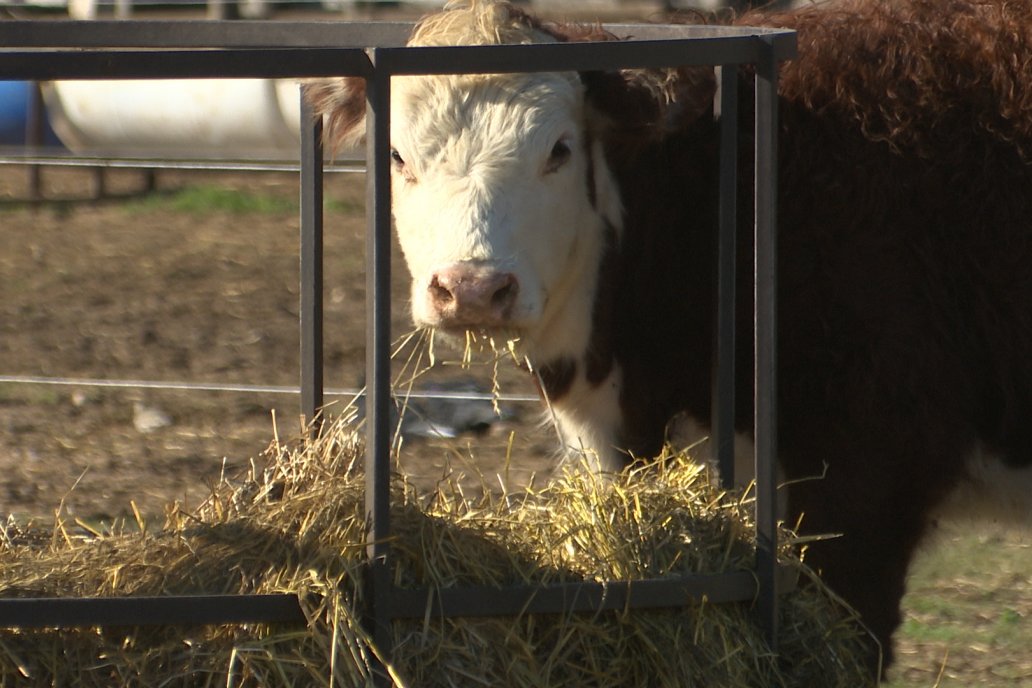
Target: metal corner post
(724, 381)
(765, 336)
(311, 316)
(378, 336)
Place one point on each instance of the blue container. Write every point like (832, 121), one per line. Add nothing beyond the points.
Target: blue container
(14, 112)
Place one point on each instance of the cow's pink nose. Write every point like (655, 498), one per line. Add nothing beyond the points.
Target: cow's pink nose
(472, 296)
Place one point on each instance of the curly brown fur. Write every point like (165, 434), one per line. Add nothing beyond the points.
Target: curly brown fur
(905, 302)
(916, 74)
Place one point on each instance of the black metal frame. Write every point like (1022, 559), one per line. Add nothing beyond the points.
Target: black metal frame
(204, 49)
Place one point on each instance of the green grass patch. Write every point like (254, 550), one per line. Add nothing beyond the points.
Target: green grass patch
(199, 200)
(343, 206)
(936, 631)
(969, 601)
(18, 393)
(210, 199)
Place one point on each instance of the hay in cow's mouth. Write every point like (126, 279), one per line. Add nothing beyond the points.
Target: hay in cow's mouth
(294, 523)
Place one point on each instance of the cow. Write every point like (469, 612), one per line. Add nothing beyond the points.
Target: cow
(575, 212)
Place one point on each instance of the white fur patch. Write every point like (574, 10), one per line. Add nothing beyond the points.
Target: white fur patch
(586, 419)
(686, 433)
(992, 491)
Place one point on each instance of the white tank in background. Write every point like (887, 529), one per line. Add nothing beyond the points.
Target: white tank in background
(288, 96)
(176, 118)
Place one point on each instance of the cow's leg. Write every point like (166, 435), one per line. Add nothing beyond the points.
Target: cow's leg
(867, 565)
(878, 490)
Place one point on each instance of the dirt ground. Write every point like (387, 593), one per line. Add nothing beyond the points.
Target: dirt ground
(198, 282)
(195, 283)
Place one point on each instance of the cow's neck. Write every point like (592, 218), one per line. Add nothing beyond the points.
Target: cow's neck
(617, 385)
(573, 351)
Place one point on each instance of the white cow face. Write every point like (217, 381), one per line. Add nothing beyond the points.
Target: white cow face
(491, 199)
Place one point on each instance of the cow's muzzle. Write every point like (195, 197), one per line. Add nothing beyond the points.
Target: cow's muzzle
(471, 296)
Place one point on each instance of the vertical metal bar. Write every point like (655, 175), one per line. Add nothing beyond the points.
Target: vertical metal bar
(378, 335)
(34, 127)
(99, 183)
(765, 336)
(311, 266)
(723, 425)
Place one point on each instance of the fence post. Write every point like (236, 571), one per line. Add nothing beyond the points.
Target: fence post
(723, 432)
(765, 341)
(378, 339)
(35, 122)
(311, 316)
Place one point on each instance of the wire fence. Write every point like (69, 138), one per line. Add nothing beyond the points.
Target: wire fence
(21, 157)
(172, 385)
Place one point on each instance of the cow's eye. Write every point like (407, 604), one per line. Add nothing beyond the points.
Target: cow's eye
(560, 154)
(398, 166)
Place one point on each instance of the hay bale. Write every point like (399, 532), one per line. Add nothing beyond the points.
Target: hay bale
(295, 525)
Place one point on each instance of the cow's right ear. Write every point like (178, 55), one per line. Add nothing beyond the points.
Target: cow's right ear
(341, 101)
(650, 103)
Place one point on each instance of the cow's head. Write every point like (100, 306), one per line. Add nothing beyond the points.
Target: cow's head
(502, 198)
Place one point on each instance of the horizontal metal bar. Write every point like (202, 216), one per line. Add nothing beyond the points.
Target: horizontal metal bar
(480, 59)
(271, 63)
(473, 601)
(544, 57)
(292, 34)
(647, 31)
(678, 45)
(479, 601)
(42, 33)
(72, 612)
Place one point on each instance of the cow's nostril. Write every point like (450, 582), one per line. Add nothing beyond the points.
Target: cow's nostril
(440, 293)
(504, 296)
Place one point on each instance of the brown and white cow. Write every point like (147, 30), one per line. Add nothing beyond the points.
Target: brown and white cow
(577, 211)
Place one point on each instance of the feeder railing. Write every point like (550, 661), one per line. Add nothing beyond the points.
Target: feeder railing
(375, 51)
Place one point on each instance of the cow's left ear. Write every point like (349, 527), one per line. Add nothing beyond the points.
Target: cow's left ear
(342, 102)
(651, 103)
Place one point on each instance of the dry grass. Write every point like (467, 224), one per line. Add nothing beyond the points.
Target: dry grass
(294, 524)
